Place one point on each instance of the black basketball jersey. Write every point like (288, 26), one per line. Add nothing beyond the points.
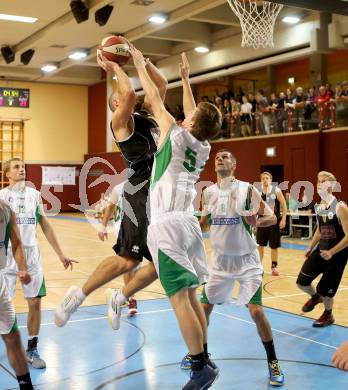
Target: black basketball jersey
(330, 228)
(138, 150)
(272, 201)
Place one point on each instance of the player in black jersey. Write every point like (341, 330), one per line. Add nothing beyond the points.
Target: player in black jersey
(135, 135)
(274, 197)
(327, 253)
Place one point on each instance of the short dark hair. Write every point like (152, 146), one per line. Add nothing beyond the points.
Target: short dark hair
(207, 121)
(224, 150)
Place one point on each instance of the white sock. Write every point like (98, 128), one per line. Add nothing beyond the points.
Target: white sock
(80, 295)
(120, 298)
(31, 337)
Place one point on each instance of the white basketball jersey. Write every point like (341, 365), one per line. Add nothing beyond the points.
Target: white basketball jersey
(116, 199)
(5, 218)
(177, 167)
(229, 233)
(25, 202)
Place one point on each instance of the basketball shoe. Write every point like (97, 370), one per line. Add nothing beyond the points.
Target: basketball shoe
(114, 308)
(186, 362)
(276, 376)
(132, 307)
(202, 379)
(325, 319)
(311, 303)
(275, 271)
(72, 300)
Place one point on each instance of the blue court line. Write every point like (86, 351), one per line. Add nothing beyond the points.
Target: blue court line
(285, 245)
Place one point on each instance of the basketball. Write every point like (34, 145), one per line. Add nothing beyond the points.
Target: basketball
(115, 49)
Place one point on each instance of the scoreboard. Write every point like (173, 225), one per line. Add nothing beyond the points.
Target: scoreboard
(14, 97)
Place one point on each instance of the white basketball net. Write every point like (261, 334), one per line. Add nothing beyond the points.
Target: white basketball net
(257, 19)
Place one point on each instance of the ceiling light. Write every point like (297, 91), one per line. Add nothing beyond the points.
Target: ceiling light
(291, 19)
(49, 68)
(78, 55)
(201, 49)
(158, 19)
(15, 18)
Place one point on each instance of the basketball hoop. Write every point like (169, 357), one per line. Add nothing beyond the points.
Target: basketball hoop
(257, 18)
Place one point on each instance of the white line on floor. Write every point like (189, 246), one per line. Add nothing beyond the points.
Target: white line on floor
(277, 330)
(221, 314)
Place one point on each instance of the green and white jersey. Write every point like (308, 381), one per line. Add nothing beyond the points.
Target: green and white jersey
(25, 202)
(5, 218)
(229, 233)
(177, 167)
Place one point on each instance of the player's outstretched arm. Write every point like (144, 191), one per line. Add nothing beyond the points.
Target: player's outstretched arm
(126, 98)
(162, 116)
(50, 234)
(189, 103)
(159, 80)
(17, 250)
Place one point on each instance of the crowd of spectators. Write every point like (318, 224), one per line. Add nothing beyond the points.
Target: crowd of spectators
(254, 113)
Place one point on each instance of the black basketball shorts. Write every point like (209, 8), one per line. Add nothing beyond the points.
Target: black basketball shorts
(331, 270)
(270, 234)
(132, 238)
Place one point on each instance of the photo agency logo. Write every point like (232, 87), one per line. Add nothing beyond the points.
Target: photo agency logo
(92, 176)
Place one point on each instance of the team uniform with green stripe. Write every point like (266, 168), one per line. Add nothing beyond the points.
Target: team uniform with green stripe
(7, 312)
(174, 235)
(234, 249)
(26, 203)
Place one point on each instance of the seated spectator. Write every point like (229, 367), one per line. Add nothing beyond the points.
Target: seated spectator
(323, 96)
(291, 204)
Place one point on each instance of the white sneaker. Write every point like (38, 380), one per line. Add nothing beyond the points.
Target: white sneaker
(67, 307)
(114, 308)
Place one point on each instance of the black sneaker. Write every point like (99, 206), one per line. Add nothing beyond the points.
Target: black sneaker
(202, 380)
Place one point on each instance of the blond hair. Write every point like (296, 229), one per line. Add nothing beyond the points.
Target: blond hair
(267, 174)
(7, 164)
(327, 175)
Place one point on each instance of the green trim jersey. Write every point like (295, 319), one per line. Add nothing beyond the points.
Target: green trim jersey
(229, 233)
(26, 203)
(177, 167)
(5, 219)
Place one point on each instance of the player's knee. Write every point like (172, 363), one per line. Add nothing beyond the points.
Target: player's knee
(11, 339)
(303, 281)
(256, 312)
(34, 304)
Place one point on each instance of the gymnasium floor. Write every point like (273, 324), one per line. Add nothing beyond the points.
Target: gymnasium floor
(145, 352)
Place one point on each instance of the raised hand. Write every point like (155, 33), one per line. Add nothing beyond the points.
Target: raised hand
(108, 66)
(137, 56)
(184, 66)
